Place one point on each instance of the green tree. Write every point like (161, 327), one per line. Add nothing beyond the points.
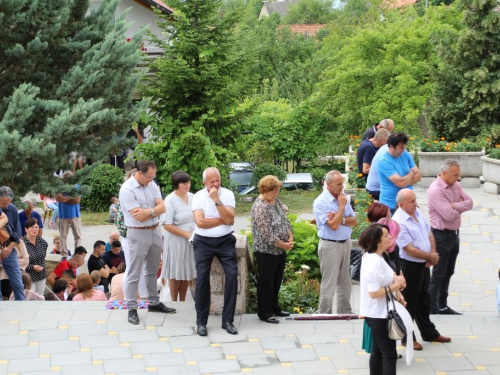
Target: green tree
(383, 70)
(66, 85)
(198, 82)
(466, 100)
(288, 132)
(309, 12)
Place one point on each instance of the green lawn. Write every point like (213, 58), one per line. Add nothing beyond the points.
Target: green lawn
(298, 202)
(94, 218)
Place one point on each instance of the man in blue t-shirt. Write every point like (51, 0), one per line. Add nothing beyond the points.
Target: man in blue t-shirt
(368, 149)
(28, 212)
(396, 170)
(69, 216)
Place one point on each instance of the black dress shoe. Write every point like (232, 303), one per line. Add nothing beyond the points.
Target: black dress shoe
(448, 311)
(272, 320)
(230, 328)
(133, 317)
(162, 308)
(283, 313)
(202, 330)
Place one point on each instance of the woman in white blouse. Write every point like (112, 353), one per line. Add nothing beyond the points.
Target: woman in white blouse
(375, 276)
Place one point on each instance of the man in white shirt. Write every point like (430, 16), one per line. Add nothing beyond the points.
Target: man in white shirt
(417, 250)
(213, 211)
(141, 206)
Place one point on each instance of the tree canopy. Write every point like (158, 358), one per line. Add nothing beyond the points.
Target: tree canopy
(66, 86)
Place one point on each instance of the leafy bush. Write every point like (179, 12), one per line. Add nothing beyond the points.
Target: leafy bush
(362, 200)
(267, 169)
(299, 293)
(305, 249)
(104, 181)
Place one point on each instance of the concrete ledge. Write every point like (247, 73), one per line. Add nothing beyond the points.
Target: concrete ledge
(490, 187)
(470, 182)
(425, 182)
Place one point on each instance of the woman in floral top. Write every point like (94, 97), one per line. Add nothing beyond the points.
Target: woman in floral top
(272, 238)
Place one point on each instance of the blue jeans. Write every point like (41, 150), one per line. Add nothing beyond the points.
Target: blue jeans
(55, 207)
(11, 266)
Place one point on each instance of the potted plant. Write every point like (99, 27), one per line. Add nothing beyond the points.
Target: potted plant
(434, 151)
(491, 165)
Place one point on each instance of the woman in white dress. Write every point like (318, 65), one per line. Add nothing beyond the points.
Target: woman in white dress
(178, 256)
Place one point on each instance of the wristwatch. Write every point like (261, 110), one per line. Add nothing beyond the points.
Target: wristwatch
(219, 203)
(343, 221)
(153, 213)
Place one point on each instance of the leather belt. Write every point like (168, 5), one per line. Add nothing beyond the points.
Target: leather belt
(338, 241)
(455, 231)
(145, 228)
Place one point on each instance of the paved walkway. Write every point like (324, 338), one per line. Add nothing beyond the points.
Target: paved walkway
(85, 338)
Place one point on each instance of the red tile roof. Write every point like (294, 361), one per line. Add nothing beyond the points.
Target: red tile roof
(160, 5)
(307, 30)
(400, 3)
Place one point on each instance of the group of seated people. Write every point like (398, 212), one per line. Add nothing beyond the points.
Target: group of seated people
(104, 280)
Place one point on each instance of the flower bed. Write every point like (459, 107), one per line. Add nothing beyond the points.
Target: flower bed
(433, 152)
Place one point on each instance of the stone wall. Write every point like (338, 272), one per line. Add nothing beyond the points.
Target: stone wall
(245, 262)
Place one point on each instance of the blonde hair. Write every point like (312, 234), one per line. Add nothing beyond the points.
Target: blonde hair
(96, 276)
(269, 183)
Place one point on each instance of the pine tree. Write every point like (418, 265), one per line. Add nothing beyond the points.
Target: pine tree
(466, 97)
(66, 85)
(197, 84)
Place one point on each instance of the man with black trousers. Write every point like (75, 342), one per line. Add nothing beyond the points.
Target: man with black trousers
(213, 210)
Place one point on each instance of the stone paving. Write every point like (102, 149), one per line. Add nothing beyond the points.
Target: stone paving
(85, 338)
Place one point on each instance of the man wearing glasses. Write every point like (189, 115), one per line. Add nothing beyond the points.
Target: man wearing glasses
(141, 204)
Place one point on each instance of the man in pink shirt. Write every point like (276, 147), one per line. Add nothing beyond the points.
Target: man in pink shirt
(447, 200)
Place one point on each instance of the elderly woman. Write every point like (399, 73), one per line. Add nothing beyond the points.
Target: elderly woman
(376, 277)
(178, 254)
(272, 238)
(37, 250)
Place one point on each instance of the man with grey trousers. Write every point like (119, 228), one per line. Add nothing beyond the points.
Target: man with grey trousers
(142, 205)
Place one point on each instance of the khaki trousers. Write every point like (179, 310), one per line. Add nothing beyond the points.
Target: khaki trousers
(76, 227)
(335, 259)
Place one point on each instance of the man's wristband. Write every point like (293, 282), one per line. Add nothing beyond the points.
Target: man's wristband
(219, 203)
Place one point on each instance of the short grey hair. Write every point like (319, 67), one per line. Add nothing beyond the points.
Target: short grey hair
(207, 170)
(6, 191)
(382, 134)
(385, 122)
(448, 163)
(331, 175)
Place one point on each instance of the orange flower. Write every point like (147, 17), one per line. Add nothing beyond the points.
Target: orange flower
(447, 148)
(360, 175)
(351, 136)
(357, 144)
(463, 139)
(443, 138)
(497, 146)
(356, 201)
(488, 139)
(435, 141)
(356, 136)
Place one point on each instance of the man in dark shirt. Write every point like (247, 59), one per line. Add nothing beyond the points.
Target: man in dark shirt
(8, 256)
(368, 149)
(28, 212)
(114, 258)
(96, 263)
(386, 123)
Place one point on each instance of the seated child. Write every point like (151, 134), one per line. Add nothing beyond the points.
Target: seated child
(96, 279)
(31, 295)
(113, 210)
